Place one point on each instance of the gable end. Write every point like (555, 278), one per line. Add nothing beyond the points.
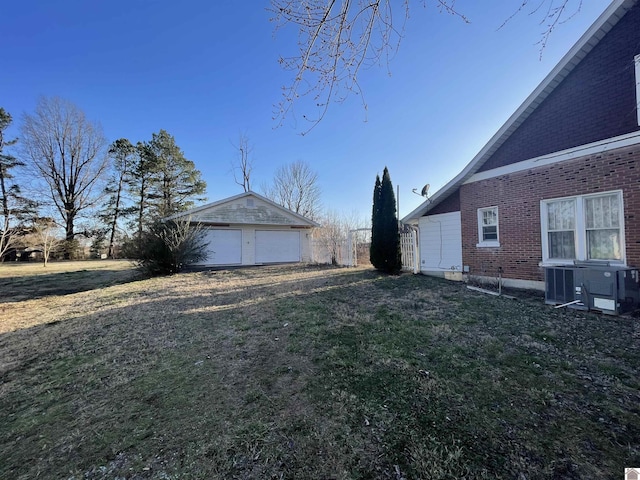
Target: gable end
(595, 101)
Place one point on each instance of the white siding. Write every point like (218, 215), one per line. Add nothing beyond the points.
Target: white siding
(440, 243)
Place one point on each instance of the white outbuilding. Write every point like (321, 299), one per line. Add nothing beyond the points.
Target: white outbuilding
(249, 229)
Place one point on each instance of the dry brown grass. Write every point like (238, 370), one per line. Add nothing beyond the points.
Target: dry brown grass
(312, 372)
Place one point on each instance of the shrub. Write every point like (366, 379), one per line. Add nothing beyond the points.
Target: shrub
(169, 246)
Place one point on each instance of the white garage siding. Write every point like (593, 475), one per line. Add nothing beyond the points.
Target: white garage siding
(440, 243)
(277, 246)
(225, 247)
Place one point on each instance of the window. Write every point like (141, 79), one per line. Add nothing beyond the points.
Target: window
(488, 227)
(561, 226)
(586, 227)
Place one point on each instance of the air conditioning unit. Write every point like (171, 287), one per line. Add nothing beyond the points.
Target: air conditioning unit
(609, 289)
(560, 285)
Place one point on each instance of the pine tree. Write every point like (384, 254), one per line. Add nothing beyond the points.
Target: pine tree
(140, 188)
(178, 183)
(161, 182)
(122, 154)
(14, 207)
(385, 237)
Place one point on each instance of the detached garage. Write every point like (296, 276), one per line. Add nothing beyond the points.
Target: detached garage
(249, 229)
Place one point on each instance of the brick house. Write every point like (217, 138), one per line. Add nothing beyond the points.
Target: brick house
(560, 181)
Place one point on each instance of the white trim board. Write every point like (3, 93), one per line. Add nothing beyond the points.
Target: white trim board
(636, 60)
(602, 146)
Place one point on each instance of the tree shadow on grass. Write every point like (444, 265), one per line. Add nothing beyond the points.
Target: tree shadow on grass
(18, 289)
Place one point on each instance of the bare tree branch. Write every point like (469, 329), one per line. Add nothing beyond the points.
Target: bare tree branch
(243, 163)
(338, 38)
(557, 12)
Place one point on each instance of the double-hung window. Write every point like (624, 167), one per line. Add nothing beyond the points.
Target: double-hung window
(585, 227)
(488, 227)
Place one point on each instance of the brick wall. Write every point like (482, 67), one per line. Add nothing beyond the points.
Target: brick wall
(448, 205)
(518, 197)
(597, 100)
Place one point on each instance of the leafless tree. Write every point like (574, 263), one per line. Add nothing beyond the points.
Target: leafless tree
(243, 165)
(45, 235)
(42, 233)
(66, 151)
(337, 38)
(295, 186)
(332, 237)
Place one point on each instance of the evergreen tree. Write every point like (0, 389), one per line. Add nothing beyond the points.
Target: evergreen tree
(122, 154)
(375, 254)
(178, 183)
(15, 208)
(140, 187)
(161, 182)
(97, 245)
(385, 236)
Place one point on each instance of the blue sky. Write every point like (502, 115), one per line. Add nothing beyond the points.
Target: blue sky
(208, 71)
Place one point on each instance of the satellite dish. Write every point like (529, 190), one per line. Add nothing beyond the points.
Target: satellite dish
(424, 192)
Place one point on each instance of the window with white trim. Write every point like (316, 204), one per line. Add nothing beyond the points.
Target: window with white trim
(585, 227)
(488, 227)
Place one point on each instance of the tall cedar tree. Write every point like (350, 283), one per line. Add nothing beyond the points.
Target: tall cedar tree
(178, 183)
(385, 236)
(375, 254)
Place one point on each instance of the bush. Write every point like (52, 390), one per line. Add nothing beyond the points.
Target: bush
(168, 247)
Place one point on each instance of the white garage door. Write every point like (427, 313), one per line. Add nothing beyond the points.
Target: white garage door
(225, 247)
(273, 246)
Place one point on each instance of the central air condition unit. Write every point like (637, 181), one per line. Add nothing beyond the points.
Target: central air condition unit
(560, 285)
(609, 289)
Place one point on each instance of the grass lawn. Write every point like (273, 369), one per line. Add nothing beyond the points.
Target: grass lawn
(311, 373)
(25, 280)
